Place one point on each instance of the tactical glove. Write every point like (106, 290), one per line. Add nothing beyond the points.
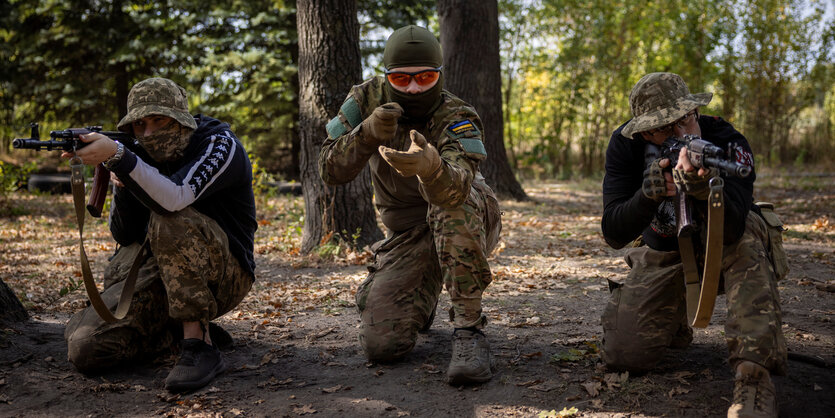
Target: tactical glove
(691, 183)
(379, 127)
(421, 159)
(654, 186)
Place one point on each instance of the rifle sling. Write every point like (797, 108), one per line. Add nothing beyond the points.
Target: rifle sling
(701, 299)
(77, 182)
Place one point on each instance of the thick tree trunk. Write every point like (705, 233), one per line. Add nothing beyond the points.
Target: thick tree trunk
(472, 68)
(329, 64)
(11, 310)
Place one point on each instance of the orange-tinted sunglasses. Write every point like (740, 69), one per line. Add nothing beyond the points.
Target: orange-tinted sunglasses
(422, 78)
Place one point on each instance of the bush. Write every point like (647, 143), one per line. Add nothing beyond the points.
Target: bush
(12, 178)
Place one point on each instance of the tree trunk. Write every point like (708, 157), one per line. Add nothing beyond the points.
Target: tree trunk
(11, 310)
(470, 41)
(329, 64)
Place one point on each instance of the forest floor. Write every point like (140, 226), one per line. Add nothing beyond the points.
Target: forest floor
(295, 350)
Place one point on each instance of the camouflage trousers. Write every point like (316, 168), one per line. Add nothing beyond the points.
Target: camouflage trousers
(647, 313)
(191, 276)
(401, 292)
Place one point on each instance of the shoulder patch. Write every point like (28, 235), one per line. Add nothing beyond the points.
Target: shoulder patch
(348, 118)
(459, 129)
(473, 146)
(335, 128)
(351, 110)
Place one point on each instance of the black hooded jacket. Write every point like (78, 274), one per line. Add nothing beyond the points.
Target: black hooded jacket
(627, 213)
(214, 177)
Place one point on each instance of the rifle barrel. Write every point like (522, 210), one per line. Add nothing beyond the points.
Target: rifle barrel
(49, 145)
(732, 168)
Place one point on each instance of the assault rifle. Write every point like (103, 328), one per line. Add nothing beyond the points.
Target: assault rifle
(68, 140)
(702, 154)
(701, 289)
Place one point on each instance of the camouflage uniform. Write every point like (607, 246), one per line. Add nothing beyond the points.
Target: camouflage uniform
(187, 194)
(647, 312)
(439, 232)
(194, 278)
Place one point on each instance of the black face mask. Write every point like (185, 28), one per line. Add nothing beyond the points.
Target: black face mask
(417, 107)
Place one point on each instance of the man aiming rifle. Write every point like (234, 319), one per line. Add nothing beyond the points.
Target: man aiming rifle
(183, 214)
(648, 311)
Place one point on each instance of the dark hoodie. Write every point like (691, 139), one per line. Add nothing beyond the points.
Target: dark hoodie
(214, 177)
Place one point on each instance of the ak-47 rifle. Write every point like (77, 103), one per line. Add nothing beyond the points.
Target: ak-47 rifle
(701, 289)
(68, 140)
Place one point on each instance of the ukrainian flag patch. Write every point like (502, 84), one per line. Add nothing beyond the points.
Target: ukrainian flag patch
(460, 128)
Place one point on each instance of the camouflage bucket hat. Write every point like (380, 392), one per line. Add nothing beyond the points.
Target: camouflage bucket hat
(157, 96)
(659, 99)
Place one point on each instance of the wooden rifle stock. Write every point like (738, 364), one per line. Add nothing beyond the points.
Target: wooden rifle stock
(95, 203)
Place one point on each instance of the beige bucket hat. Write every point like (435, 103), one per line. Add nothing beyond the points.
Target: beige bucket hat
(659, 99)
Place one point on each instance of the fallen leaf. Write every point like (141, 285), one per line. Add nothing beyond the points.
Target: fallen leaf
(545, 386)
(307, 409)
(614, 380)
(678, 390)
(529, 383)
(332, 389)
(267, 358)
(593, 388)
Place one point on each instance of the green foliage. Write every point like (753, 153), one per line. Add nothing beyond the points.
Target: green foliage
(12, 177)
(334, 245)
(575, 354)
(71, 286)
(73, 62)
(565, 412)
(568, 67)
(261, 180)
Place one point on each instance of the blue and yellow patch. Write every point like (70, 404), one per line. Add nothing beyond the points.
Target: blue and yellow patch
(460, 128)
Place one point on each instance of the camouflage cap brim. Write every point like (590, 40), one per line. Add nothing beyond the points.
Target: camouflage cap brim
(667, 115)
(142, 111)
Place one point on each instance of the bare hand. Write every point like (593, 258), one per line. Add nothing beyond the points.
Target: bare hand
(98, 150)
(685, 164)
(115, 180)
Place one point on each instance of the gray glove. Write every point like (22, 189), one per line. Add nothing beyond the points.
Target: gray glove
(654, 186)
(691, 183)
(379, 127)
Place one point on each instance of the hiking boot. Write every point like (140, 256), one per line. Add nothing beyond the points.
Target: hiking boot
(198, 364)
(754, 395)
(471, 360)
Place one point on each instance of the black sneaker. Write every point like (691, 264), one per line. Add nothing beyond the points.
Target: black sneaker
(220, 338)
(198, 364)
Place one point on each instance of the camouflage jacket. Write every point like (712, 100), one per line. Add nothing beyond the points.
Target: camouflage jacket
(454, 129)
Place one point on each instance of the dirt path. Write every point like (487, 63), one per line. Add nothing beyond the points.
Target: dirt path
(295, 349)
